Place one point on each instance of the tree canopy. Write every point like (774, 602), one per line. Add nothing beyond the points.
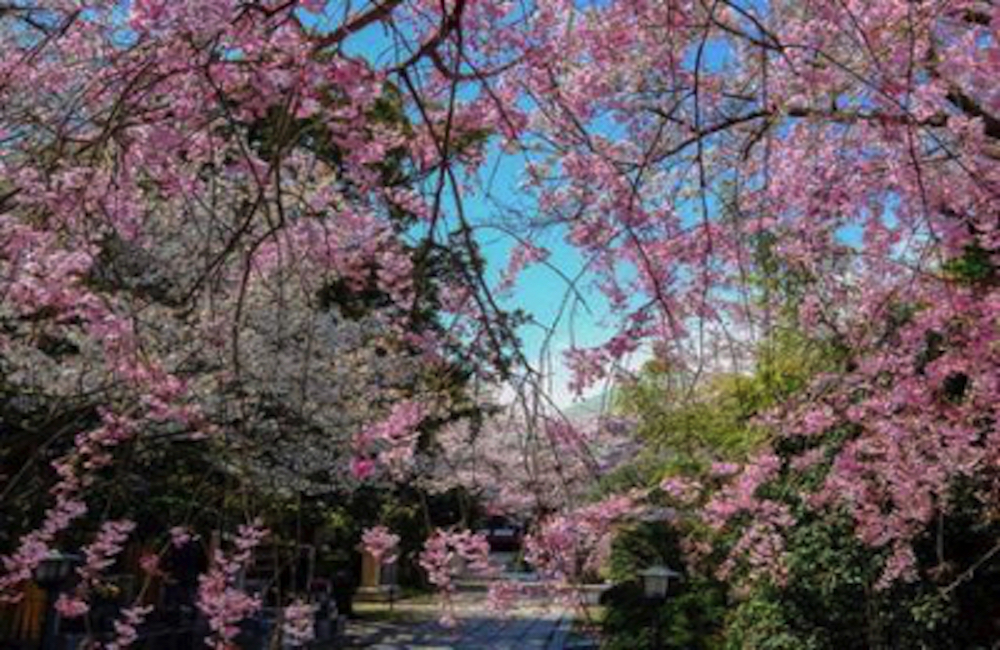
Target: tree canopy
(254, 229)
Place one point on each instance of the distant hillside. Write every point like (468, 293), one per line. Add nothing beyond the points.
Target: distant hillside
(590, 407)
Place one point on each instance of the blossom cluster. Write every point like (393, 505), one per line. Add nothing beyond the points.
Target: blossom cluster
(389, 442)
(446, 554)
(567, 546)
(126, 627)
(219, 599)
(298, 624)
(99, 555)
(381, 543)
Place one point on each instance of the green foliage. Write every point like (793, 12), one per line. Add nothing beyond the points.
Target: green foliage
(687, 431)
(763, 623)
(976, 265)
(689, 619)
(830, 572)
(696, 429)
(830, 600)
(641, 472)
(715, 420)
(640, 545)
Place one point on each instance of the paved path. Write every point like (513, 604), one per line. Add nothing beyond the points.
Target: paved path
(527, 628)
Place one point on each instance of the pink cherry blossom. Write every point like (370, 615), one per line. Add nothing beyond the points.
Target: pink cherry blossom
(219, 598)
(101, 553)
(297, 624)
(447, 551)
(179, 536)
(380, 543)
(392, 439)
(126, 627)
(71, 607)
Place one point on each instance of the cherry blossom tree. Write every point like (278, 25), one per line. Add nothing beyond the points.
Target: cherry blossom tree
(184, 186)
(196, 197)
(857, 142)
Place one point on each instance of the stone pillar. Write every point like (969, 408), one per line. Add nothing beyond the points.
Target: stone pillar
(377, 580)
(371, 571)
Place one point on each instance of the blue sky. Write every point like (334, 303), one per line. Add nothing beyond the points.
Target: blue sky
(540, 291)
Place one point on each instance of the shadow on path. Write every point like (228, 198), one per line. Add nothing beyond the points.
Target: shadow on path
(530, 628)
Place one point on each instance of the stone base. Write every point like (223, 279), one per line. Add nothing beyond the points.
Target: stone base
(380, 594)
(330, 628)
(591, 594)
